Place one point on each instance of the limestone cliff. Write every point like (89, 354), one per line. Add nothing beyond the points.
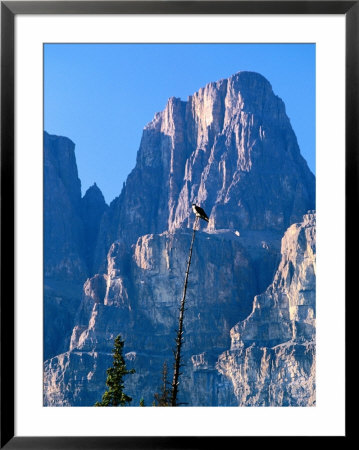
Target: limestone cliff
(70, 226)
(63, 227)
(139, 298)
(231, 149)
(93, 207)
(271, 361)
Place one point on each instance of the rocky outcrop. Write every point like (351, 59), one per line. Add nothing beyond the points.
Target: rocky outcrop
(64, 244)
(61, 303)
(231, 149)
(70, 227)
(93, 207)
(271, 361)
(139, 298)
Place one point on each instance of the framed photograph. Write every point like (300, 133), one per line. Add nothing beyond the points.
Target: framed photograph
(175, 182)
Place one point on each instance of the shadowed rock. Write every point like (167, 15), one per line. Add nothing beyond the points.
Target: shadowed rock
(70, 231)
(230, 148)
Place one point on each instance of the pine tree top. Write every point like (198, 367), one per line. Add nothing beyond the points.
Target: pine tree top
(114, 396)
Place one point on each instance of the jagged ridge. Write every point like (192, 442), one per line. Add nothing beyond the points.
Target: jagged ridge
(231, 148)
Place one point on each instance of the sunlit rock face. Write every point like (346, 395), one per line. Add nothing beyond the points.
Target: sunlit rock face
(139, 297)
(271, 361)
(230, 148)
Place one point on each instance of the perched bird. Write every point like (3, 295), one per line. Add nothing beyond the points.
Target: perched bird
(199, 212)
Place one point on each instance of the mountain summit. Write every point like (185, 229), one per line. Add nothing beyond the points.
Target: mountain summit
(230, 149)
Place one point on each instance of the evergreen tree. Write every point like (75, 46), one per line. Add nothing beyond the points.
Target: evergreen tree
(164, 397)
(114, 396)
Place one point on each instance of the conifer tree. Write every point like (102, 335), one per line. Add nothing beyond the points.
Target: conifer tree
(114, 396)
(164, 397)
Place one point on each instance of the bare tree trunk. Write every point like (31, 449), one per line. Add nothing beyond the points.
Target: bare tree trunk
(179, 338)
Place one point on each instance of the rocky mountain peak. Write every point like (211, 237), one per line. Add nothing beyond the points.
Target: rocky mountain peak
(60, 153)
(250, 317)
(94, 192)
(64, 244)
(229, 148)
(71, 227)
(93, 207)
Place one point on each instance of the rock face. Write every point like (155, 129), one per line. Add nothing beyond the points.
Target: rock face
(70, 222)
(93, 207)
(64, 244)
(271, 361)
(139, 298)
(231, 149)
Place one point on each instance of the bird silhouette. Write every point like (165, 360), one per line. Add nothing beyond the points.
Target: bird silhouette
(199, 212)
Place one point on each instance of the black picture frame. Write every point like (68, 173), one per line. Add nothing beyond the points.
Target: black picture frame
(9, 9)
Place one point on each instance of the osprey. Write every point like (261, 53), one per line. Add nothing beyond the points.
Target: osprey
(199, 212)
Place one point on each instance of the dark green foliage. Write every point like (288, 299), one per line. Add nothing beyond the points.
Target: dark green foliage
(164, 397)
(142, 402)
(115, 396)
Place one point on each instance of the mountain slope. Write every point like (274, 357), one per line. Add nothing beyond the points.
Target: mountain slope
(272, 358)
(70, 224)
(231, 149)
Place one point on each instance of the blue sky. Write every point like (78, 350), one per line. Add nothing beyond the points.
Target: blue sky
(102, 95)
